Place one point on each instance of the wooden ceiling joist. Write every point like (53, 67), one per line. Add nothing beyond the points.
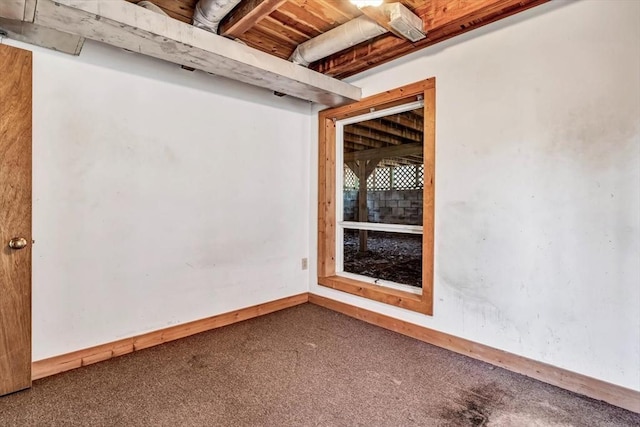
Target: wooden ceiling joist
(361, 141)
(14, 9)
(16, 21)
(443, 19)
(125, 25)
(279, 26)
(375, 135)
(182, 10)
(381, 153)
(354, 144)
(404, 120)
(274, 27)
(246, 15)
(400, 132)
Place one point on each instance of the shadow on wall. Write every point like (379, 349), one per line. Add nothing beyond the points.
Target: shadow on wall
(549, 7)
(106, 56)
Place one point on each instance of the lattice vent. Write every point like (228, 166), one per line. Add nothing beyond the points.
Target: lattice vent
(405, 177)
(380, 179)
(408, 177)
(351, 181)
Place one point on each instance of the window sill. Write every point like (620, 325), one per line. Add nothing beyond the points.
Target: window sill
(407, 300)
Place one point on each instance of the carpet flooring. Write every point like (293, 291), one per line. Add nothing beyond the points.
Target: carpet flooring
(304, 366)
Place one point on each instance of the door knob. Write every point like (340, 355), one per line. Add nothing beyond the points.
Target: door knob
(17, 243)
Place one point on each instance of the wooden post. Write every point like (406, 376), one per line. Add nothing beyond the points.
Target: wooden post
(363, 212)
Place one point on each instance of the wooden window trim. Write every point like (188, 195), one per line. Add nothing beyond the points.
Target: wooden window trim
(327, 193)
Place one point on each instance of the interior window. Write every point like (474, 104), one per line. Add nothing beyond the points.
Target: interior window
(376, 193)
(379, 227)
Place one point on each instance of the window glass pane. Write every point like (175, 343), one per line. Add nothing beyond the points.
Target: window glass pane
(395, 257)
(383, 163)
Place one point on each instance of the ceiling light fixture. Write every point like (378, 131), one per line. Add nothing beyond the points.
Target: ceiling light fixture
(365, 3)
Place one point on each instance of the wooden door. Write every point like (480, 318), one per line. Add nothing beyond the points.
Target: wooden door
(15, 219)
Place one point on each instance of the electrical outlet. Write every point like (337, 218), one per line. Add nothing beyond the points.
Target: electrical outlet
(305, 263)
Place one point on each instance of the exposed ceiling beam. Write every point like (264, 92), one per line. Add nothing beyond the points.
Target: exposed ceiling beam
(417, 158)
(182, 10)
(360, 141)
(443, 19)
(392, 130)
(381, 153)
(406, 121)
(16, 20)
(128, 26)
(378, 135)
(245, 15)
(403, 161)
(41, 36)
(13, 9)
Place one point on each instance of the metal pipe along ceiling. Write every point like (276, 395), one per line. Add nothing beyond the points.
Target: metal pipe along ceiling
(209, 13)
(349, 34)
(403, 22)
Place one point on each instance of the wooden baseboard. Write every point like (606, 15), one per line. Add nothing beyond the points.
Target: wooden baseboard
(76, 359)
(572, 381)
(578, 383)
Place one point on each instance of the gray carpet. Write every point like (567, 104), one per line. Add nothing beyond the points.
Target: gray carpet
(304, 366)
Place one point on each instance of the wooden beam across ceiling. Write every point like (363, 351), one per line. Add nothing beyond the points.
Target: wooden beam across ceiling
(128, 26)
(381, 153)
(16, 22)
(357, 141)
(13, 9)
(404, 120)
(443, 19)
(278, 26)
(378, 125)
(246, 15)
(375, 135)
(182, 10)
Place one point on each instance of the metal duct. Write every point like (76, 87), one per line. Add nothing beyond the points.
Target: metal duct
(404, 22)
(358, 30)
(152, 7)
(209, 13)
(346, 35)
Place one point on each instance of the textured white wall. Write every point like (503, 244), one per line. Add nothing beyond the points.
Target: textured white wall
(538, 186)
(142, 221)
(160, 196)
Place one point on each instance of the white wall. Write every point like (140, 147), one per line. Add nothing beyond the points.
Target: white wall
(161, 196)
(537, 186)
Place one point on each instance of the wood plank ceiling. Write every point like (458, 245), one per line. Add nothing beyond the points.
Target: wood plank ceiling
(404, 131)
(278, 26)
